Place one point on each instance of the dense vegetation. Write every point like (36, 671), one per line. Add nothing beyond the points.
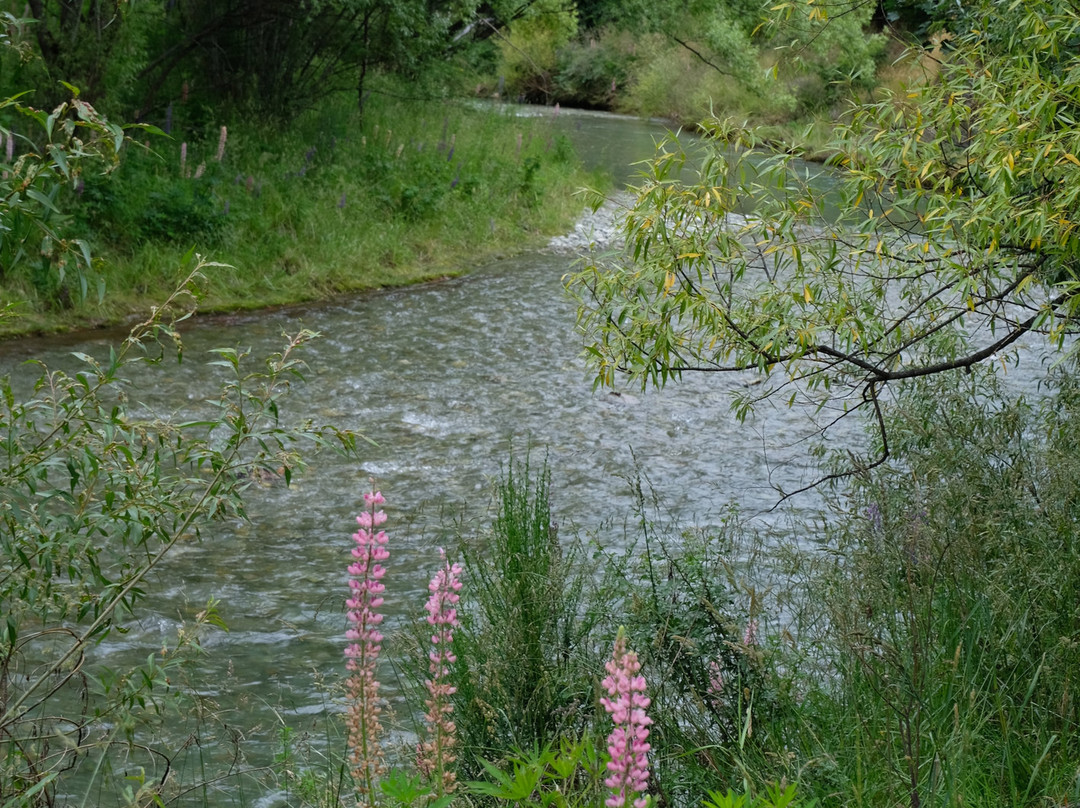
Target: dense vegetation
(286, 143)
(324, 103)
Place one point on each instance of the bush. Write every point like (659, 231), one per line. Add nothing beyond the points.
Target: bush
(96, 496)
(528, 651)
(952, 599)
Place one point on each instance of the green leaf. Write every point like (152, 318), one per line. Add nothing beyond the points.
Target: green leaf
(42, 199)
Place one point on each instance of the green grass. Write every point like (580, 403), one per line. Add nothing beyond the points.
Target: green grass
(331, 206)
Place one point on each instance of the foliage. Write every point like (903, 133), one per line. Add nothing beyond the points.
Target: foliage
(97, 46)
(276, 57)
(678, 60)
(948, 601)
(923, 16)
(594, 74)
(530, 46)
(774, 796)
(836, 48)
(945, 236)
(527, 647)
(98, 492)
(329, 205)
(63, 145)
(563, 776)
(721, 705)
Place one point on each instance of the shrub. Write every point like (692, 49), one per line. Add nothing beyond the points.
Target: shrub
(952, 597)
(96, 495)
(528, 648)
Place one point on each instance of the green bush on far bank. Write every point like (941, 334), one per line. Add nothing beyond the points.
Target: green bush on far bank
(795, 65)
(335, 203)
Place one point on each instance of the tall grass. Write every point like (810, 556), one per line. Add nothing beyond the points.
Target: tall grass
(950, 600)
(529, 649)
(336, 203)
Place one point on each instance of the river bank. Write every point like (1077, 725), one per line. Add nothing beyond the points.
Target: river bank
(331, 207)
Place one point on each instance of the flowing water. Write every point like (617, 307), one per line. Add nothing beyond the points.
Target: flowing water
(445, 378)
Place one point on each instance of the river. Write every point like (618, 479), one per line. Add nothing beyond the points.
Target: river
(445, 378)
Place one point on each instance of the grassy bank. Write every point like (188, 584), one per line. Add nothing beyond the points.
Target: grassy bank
(334, 204)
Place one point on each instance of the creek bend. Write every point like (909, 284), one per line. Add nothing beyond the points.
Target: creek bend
(445, 378)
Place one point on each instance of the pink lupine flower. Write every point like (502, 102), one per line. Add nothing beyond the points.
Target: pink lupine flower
(750, 634)
(628, 743)
(362, 654)
(436, 754)
(199, 171)
(183, 159)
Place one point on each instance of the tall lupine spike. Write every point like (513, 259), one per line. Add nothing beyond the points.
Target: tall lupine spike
(436, 755)
(362, 654)
(628, 743)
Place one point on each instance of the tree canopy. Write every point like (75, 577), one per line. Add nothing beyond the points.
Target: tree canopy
(943, 231)
(134, 59)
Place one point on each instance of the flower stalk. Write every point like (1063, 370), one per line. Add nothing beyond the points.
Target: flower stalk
(436, 754)
(628, 743)
(362, 688)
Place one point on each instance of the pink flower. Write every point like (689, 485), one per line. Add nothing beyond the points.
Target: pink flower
(628, 743)
(750, 635)
(362, 653)
(436, 754)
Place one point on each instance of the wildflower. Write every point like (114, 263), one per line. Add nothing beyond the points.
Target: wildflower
(183, 158)
(436, 754)
(341, 202)
(750, 634)
(199, 171)
(168, 120)
(628, 743)
(221, 145)
(362, 688)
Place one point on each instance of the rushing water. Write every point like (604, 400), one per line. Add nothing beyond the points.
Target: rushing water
(445, 379)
